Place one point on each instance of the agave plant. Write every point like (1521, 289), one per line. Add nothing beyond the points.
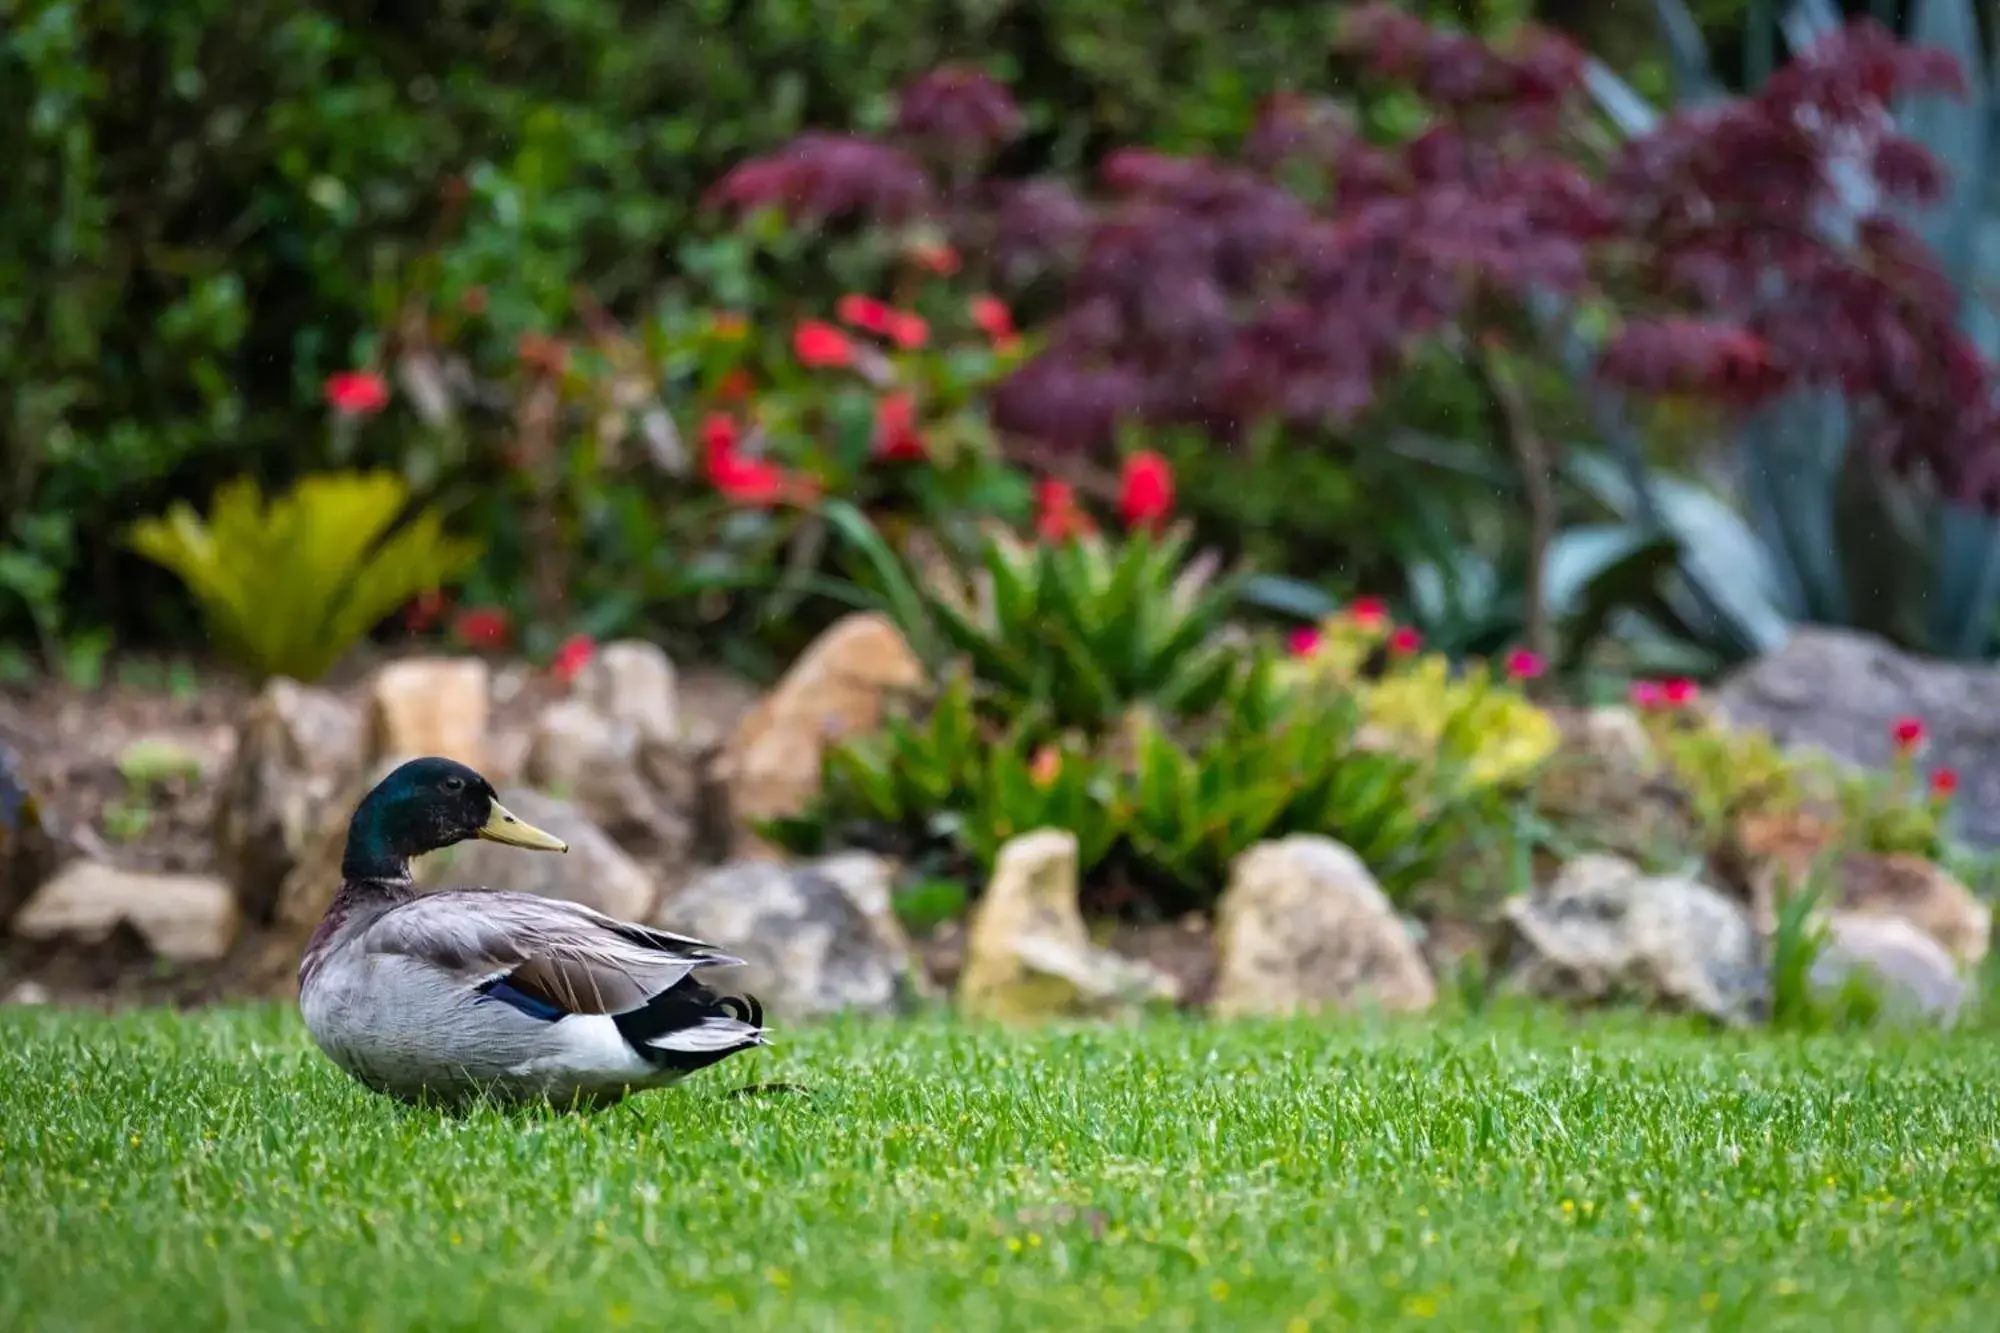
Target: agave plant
(1830, 537)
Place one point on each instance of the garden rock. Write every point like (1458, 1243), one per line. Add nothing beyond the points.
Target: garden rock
(431, 706)
(1926, 895)
(594, 872)
(1841, 692)
(1027, 954)
(1303, 927)
(296, 751)
(1767, 857)
(182, 918)
(28, 846)
(1606, 777)
(1602, 931)
(600, 762)
(1911, 970)
(631, 684)
(840, 687)
(816, 939)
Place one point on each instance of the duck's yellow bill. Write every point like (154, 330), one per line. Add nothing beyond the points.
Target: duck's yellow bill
(503, 826)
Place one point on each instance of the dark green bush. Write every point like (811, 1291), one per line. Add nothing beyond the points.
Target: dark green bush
(211, 203)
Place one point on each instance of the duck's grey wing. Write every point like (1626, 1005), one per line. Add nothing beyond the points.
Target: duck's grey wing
(542, 955)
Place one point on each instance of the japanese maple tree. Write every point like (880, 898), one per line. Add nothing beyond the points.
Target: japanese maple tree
(1740, 251)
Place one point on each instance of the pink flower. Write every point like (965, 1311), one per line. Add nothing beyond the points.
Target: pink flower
(1405, 642)
(571, 658)
(1908, 734)
(357, 393)
(1679, 692)
(1303, 641)
(1648, 694)
(1368, 612)
(819, 345)
(1525, 664)
(1145, 491)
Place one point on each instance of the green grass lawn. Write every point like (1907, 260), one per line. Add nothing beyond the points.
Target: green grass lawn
(213, 1171)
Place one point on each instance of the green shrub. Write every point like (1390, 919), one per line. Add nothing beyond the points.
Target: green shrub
(1093, 685)
(286, 589)
(214, 205)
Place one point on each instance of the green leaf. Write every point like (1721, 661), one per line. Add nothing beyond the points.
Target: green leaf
(898, 593)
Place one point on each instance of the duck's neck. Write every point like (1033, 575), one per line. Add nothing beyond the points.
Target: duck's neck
(374, 878)
(374, 855)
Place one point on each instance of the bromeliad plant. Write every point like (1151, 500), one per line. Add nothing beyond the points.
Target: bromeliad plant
(1081, 630)
(1093, 685)
(1163, 810)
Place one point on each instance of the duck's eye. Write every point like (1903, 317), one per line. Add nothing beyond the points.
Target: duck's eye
(454, 784)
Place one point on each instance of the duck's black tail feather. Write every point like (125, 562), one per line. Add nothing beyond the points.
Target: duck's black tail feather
(688, 1026)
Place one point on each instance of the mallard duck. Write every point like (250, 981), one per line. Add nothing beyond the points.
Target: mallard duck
(470, 992)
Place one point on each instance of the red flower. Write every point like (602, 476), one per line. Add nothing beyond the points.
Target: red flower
(746, 481)
(908, 331)
(1405, 641)
(740, 480)
(1648, 694)
(897, 438)
(423, 612)
(936, 258)
(357, 393)
(1368, 612)
(1524, 664)
(864, 313)
(1303, 641)
(992, 317)
(1058, 517)
(1145, 491)
(482, 627)
(1944, 783)
(736, 386)
(1908, 733)
(1679, 692)
(820, 345)
(571, 658)
(719, 435)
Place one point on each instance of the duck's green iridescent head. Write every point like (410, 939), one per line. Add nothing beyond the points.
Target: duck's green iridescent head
(424, 805)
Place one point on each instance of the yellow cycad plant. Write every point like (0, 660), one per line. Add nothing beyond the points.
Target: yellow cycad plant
(286, 588)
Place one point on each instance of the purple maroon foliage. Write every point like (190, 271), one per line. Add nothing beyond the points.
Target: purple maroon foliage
(1292, 285)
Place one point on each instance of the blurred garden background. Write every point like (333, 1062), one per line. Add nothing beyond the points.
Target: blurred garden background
(1486, 436)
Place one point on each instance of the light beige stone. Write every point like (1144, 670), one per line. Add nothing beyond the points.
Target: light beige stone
(1304, 927)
